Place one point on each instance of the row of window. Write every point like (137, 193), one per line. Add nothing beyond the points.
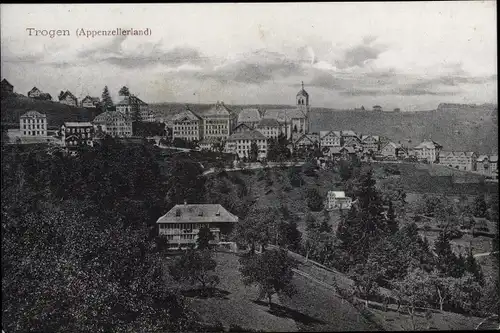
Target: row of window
(35, 133)
(34, 121)
(77, 130)
(30, 126)
(76, 143)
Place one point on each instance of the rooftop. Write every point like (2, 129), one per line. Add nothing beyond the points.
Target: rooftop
(77, 124)
(198, 213)
(428, 145)
(268, 122)
(337, 194)
(33, 113)
(246, 135)
(127, 100)
(185, 115)
(284, 115)
(249, 115)
(109, 116)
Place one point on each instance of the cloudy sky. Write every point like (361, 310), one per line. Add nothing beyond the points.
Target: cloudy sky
(407, 55)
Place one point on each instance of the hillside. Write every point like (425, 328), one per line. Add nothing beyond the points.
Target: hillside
(13, 106)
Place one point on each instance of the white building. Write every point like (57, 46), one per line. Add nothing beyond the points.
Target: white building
(33, 124)
(329, 138)
(427, 150)
(270, 128)
(338, 200)
(77, 134)
(187, 126)
(68, 98)
(240, 143)
(132, 105)
(218, 121)
(113, 123)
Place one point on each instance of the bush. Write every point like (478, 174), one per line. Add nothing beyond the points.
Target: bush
(314, 200)
(454, 234)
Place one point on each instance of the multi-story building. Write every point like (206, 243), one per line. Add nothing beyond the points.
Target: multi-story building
(182, 223)
(390, 149)
(33, 124)
(270, 128)
(427, 150)
(458, 159)
(329, 139)
(68, 98)
(249, 117)
(240, 143)
(187, 126)
(77, 134)
(113, 123)
(218, 121)
(487, 165)
(370, 143)
(90, 102)
(133, 106)
(338, 200)
(308, 140)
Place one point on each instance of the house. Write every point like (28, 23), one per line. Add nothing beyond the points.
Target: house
(338, 200)
(113, 123)
(270, 128)
(487, 165)
(132, 106)
(33, 124)
(240, 143)
(390, 149)
(68, 98)
(308, 141)
(458, 159)
(377, 108)
(218, 121)
(427, 150)
(34, 92)
(6, 86)
(340, 153)
(187, 126)
(329, 138)
(370, 143)
(90, 102)
(181, 224)
(249, 117)
(77, 134)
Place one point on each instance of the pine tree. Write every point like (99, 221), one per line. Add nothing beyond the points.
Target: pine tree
(473, 267)
(106, 98)
(325, 225)
(392, 224)
(446, 259)
(204, 238)
(254, 152)
(124, 91)
(480, 206)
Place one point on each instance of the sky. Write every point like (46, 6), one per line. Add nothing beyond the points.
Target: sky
(395, 54)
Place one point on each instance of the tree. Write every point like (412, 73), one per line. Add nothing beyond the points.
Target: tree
(295, 177)
(472, 267)
(325, 223)
(480, 207)
(204, 238)
(60, 95)
(195, 267)
(446, 259)
(271, 272)
(124, 91)
(391, 219)
(254, 152)
(106, 98)
(345, 170)
(365, 278)
(260, 227)
(314, 200)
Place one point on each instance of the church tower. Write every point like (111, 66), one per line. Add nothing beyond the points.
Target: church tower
(302, 100)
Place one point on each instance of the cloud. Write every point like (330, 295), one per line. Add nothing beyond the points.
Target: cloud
(359, 55)
(256, 67)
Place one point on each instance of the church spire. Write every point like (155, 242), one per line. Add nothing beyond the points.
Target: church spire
(302, 85)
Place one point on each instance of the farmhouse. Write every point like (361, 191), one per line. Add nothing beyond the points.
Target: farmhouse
(68, 98)
(182, 223)
(338, 200)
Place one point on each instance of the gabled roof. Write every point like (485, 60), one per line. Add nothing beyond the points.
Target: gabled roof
(348, 133)
(456, 153)
(198, 213)
(337, 194)
(219, 109)
(428, 145)
(366, 137)
(392, 144)
(242, 125)
(248, 135)
(338, 150)
(34, 113)
(311, 137)
(481, 158)
(131, 100)
(186, 114)
(77, 124)
(268, 122)
(282, 115)
(4, 81)
(322, 134)
(67, 93)
(34, 89)
(249, 115)
(93, 99)
(110, 116)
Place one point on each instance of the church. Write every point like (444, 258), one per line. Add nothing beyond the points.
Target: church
(292, 122)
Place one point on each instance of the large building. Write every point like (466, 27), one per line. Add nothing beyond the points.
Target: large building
(77, 134)
(33, 124)
(249, 117)
(218, 121)
(240, 143)
(90, 102)
(132, 105)
(270, 128)
(487, 165)
(428, 150)
(370, 143)
(458, 159)
(113, 123)
(329, 139)
(187, 126)
(182, 223)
